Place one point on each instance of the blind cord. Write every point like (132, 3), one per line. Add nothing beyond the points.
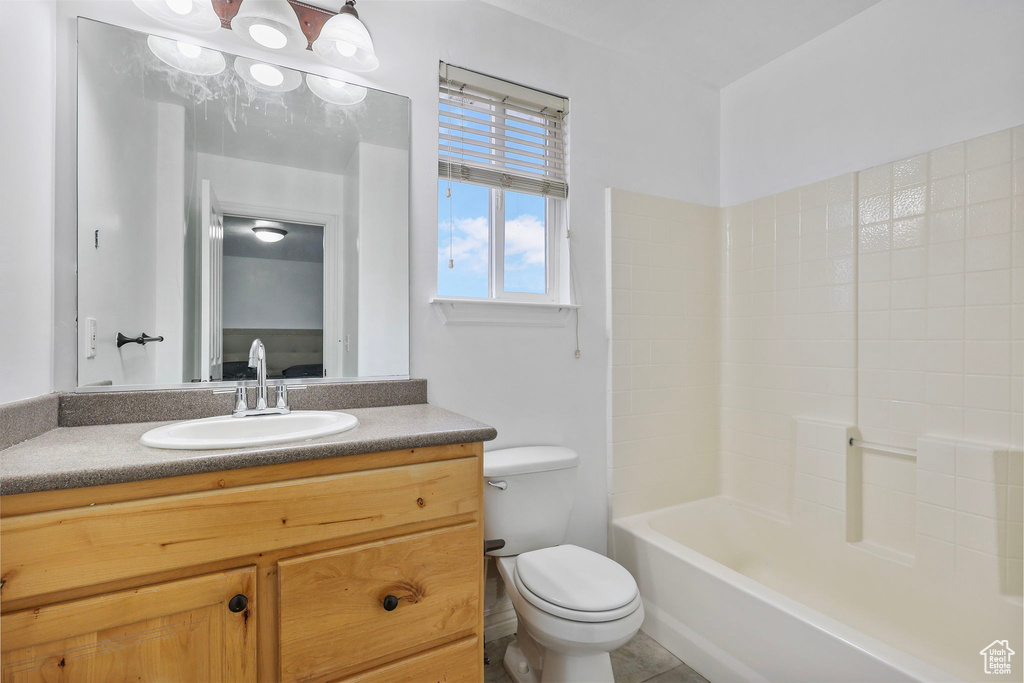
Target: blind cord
(448, 194)
(573, 297)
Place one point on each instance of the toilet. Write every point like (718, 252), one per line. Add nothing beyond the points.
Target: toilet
(574, 606)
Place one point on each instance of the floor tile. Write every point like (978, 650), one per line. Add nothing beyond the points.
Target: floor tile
(680, 674)
(641, 659)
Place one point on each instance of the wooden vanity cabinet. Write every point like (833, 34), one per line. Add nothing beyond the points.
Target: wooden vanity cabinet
(361, 568)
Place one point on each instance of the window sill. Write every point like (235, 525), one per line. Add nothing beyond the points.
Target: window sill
(455, 311)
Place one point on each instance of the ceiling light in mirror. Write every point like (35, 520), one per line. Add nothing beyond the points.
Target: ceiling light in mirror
(270, 234)
(345, 42)
(192, 15)
(271, 24)
(267, 76)
(334, 91)
(186, 56)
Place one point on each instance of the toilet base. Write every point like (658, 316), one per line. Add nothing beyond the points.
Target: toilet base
(557, 667)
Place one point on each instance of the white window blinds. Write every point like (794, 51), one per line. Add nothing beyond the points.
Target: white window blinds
(496, 133)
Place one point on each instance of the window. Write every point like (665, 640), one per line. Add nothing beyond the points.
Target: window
(501, 189)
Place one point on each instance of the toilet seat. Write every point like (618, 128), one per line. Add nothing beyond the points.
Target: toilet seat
(576, 584)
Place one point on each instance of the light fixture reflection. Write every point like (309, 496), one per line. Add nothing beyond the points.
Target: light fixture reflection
(345, 42)
(186, 57)
(267, 76)
(192, 15)
(271, 24)
(270, 234)
(335, 91)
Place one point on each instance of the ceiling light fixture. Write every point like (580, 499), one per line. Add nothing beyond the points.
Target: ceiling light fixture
(190, 15)
(267, 76)
(270, 234)
(186, 57)
(345, 42)
(270, 24)
(334, 91)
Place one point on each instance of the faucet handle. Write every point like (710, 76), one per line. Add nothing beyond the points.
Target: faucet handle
(241, 400)
(282, 393)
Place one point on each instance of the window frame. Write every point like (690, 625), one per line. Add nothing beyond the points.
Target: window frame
(555, 213)
(496, 247)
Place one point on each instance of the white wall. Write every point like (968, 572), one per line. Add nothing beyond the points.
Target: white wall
(525, 381)
(26, 195)
(383, 252)
(901, 78)
(118, 198)
(261, 293)
(173, 166)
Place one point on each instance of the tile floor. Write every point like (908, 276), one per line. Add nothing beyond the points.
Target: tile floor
(641, 660)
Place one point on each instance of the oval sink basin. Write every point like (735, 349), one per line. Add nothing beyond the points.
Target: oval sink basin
(258, 430)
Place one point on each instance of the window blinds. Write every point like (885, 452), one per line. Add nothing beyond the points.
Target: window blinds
(496, 133)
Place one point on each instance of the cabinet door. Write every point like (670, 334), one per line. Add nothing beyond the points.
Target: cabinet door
(177, 631)
(347, 610)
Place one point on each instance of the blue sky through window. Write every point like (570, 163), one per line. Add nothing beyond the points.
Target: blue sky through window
(525, 241)
(470, 211)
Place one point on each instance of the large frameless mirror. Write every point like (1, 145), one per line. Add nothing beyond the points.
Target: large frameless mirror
(222, 199)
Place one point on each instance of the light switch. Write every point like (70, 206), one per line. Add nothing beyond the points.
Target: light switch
(90, 337)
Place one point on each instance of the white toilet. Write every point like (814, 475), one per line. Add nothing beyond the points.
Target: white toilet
(574, 606)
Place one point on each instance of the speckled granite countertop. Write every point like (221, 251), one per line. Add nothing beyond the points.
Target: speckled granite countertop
(73, 457)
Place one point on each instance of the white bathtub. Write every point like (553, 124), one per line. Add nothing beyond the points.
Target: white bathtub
(741, 596)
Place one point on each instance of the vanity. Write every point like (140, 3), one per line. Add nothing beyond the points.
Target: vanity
(335, 560)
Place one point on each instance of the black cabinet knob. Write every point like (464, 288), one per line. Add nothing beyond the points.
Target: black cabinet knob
(238, 603)
(390, 603)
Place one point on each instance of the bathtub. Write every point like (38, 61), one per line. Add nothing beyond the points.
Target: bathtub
(742, 596)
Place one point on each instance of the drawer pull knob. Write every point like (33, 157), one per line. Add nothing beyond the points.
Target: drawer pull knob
(390, 603)
(238, 603)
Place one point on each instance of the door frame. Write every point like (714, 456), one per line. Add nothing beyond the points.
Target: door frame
(333, 282)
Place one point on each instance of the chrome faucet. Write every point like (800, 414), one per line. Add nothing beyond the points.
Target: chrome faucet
(258, 361)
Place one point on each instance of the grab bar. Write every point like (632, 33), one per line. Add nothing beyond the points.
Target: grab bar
(894, 450)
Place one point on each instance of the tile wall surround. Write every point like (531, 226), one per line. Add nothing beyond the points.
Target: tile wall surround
(664, 375)
(953, 511)
(886, 304)
(940, 295)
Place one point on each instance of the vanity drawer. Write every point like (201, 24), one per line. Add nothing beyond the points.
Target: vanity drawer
(458, 662)
(67, 549)
(332, 605)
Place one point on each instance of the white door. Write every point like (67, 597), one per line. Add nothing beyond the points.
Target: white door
(212, 273)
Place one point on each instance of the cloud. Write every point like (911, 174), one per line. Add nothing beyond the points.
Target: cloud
(469, 244)
(525, 242)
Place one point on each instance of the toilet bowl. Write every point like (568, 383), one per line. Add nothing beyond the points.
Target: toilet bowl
(573, 606)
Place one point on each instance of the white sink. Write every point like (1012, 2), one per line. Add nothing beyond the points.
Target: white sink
(261, 430)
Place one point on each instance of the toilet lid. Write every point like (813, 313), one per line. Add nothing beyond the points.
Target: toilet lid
(576, 579)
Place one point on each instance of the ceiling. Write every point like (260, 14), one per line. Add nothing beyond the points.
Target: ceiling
(717, 41)
(302, 243)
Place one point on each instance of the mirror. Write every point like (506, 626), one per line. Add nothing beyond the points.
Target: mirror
(221, 199)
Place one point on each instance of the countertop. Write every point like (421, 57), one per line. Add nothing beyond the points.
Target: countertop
(74, 457)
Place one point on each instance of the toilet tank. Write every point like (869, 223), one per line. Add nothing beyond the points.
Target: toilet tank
(532, 509)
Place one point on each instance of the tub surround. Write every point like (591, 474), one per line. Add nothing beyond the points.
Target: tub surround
(74, 457)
